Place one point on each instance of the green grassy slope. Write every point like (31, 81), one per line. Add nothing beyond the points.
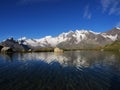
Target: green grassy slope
(114, 46)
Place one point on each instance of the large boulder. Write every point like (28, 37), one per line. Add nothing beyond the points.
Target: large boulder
(6, 50)
(1, 47)
(58, 50)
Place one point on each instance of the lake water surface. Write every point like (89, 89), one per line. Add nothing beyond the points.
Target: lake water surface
(72, 70)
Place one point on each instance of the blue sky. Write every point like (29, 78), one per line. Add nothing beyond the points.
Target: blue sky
(39, 18)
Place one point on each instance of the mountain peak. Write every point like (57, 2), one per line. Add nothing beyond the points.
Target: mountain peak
(23, 38)
(82, 31)
(11, 38)
(76, 38)
(48, 37)
(117, 28)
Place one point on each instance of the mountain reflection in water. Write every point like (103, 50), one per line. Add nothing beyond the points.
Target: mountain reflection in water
(78, 70)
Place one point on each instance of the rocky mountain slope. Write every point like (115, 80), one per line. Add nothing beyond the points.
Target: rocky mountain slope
(79, 39)
(74, 39)
(10, 42)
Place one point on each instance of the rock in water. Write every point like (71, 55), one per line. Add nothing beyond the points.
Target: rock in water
(6, 50)
(58, 50)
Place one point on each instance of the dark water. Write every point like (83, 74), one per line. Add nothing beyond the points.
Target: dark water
(85, 70)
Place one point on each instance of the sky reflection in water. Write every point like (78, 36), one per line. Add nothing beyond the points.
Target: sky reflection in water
(81, 70)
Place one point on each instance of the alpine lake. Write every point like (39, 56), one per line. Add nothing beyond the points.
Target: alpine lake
(71, 70)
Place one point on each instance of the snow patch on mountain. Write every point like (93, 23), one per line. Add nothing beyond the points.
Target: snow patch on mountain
(113, 38)
(77, 36)
(118, 28)
(23, 38)
(96, 33)
(80, 35)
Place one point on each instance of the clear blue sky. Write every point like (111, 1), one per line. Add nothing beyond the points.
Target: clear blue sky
(39, 18)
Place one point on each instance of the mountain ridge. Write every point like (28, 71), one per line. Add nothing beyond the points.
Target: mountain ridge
(73, 37)
(78, 39)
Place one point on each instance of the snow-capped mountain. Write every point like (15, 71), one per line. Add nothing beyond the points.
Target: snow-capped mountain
(79, 35)
(74, 39)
